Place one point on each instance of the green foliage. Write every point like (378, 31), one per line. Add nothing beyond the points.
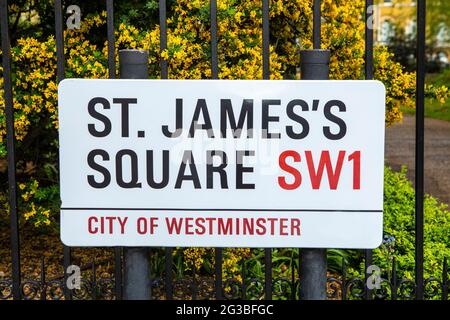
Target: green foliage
(437, 17)
(434, 108)
(399, 230)
(284, 259)
(402, 43)
(440, 79)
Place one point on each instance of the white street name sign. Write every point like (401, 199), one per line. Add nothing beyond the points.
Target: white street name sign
(221, 163)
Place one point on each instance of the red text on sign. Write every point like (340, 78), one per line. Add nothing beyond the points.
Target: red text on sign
(316, 172)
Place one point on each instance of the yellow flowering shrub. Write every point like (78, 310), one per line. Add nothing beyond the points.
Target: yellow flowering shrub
(189, 57)
(32, 196)
(188, 53)
(199, 258)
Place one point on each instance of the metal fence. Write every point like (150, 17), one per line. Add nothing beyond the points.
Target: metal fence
(195, 287)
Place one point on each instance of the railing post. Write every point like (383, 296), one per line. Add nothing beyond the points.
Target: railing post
(60, 75)
(313, 262)
(368, 66)
(268, 282)
(420, 147)
(134, 65)
(11, 158)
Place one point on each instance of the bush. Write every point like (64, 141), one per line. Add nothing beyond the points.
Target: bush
(399, 230)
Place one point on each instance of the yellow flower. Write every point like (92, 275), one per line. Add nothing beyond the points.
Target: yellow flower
(188, 55)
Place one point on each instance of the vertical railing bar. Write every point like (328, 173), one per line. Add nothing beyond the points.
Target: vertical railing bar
(67, 253)
(298, 276)
(94, 280)
(59, 41)
(163, 37)
(43, 284)
(445, 280)
(368, 65)
(368, 57)
(316, 24)
(60, 76)
(10, 145)
(194, 282)
(168, 285)
(218, 271)
(214, 58)
(344, 280)
(367, 263)
(244, 275)
(112, 75)
(292, 279)
(266, 76)
(215, 75)
(118, 275)
(419, 161)
(164, 75)
(268, 273)
(394, 279)
(110, 35)
(266, 39)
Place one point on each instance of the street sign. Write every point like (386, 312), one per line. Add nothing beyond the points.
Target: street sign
(221, 163)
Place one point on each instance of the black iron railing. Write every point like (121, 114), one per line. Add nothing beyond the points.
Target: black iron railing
(197, 286)
(171, 287)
